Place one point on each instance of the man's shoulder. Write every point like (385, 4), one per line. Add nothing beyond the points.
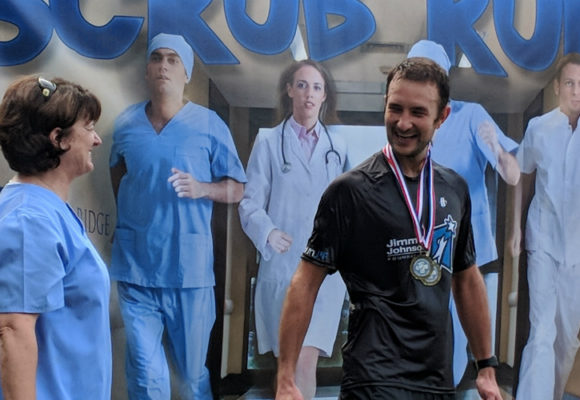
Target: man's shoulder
(450, 177)
(133, 108)
(191, 108)
(368, 172)
(543, 126)
(467, 111)
(130, 113)
(552, 116)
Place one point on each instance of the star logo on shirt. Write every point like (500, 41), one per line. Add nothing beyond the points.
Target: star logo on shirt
(451, 224)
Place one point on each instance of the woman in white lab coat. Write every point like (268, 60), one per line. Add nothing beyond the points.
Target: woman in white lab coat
(289, 168)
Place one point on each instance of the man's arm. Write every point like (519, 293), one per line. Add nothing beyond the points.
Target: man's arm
(507, 167)
(296, 315)
(18, 355)
(471, 301)
(523, 194)
(225, 191)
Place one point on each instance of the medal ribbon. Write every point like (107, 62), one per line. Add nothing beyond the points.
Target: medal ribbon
(424, 238)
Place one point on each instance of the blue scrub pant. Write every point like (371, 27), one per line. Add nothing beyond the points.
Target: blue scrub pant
(460, 348)
(187, 315)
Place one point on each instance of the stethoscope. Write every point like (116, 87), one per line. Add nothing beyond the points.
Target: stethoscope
(286, 166)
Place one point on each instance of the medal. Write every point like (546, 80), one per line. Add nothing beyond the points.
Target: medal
(425, 269)
(434, 277)
(422, 267)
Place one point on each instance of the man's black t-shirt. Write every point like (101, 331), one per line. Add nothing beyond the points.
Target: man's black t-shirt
(399, 330)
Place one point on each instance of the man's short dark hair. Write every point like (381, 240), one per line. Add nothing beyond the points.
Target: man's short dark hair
(421, 69)
(570, 58)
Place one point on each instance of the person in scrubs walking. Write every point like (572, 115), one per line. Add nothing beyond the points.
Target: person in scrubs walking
(170, 160)
(550, 148)
(467, 142)
(288, 169)
(55, 338)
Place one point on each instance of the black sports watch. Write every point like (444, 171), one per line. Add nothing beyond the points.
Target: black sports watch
(486, 362)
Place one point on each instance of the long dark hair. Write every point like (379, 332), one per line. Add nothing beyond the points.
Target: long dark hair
(327, 113)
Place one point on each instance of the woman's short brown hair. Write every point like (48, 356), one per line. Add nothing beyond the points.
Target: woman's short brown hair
(30, 111)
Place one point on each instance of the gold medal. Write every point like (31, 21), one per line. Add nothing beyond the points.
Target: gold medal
(421, 267)
(434, 277)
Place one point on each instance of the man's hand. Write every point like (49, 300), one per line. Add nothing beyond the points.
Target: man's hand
(280, 241)
(514, 243)
(487, 385)
(288, 392)
(186, 185)
(487, 133)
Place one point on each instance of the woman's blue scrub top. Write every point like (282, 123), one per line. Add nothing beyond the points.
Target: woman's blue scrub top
(48, 266)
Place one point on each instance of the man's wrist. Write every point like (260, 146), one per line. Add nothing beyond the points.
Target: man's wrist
(486, 363)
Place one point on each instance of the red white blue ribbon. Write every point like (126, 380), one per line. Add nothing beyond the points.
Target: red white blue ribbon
(424, 237)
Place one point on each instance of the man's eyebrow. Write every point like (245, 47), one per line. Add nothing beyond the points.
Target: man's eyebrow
(169, 53)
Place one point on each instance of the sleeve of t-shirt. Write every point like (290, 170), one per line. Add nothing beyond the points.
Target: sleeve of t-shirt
(330, 228)
(118, 131)
(465, 250)
(31, 264)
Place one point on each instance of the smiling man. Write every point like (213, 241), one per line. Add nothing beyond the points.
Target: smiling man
(399, 341)
(170, 160)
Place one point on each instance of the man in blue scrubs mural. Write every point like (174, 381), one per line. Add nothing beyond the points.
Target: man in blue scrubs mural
(170, 160)
(467, 142)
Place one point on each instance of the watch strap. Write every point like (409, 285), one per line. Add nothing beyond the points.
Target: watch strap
(486, 362)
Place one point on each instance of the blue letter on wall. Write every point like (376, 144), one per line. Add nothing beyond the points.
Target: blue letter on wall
(32, 18)
(105, 42)
(325, 43)
(571, 26)
(538, 52)
(450, 23)
(183, 17)
(274, 36)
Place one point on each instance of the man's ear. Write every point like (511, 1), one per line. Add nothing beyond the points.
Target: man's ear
(443, 116)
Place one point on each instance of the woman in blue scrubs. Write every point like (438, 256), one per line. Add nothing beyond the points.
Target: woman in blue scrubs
(54, 314)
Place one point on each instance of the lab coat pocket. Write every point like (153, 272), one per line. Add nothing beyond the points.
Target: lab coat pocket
(196, 259)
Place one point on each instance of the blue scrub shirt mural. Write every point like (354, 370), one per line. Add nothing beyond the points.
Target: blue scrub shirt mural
(102, 45)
